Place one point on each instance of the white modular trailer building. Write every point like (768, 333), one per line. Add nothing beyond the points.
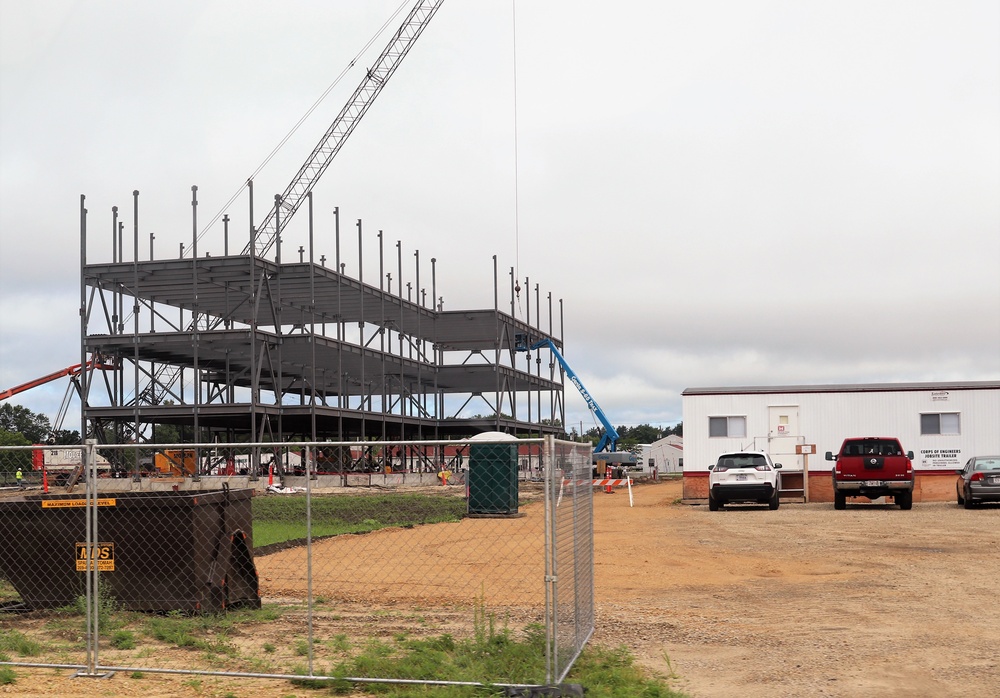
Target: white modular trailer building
(944, 424)
(667, 454)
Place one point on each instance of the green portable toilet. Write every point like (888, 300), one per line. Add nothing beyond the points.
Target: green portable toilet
(493, 479)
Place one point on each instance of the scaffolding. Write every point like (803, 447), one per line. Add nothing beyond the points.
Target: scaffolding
(243, 347)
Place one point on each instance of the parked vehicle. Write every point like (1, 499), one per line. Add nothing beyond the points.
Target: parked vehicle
(65, 464)
(978, 481)
(743, 476)
(872, 467)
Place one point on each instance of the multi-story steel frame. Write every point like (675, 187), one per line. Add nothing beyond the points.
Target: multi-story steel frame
(243, 347)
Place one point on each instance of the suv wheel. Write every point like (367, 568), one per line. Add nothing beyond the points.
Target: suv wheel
(773, 503)
(713, 503)
(839, 500)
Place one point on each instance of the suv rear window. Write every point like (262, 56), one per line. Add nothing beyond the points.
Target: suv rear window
(748, 460)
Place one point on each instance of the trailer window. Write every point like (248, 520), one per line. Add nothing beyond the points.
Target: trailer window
(941, 423)
(733, 427)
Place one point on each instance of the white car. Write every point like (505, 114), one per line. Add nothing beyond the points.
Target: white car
(745, 477)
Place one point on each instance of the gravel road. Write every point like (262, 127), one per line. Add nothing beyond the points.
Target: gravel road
(802, 601)
(805, 600)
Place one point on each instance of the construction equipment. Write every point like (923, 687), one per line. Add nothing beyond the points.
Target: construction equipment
(39, 459)
(95, 363)
(175, 462)
(609, 439)
(64, 466)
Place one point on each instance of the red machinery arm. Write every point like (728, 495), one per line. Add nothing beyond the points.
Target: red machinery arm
(74, 370)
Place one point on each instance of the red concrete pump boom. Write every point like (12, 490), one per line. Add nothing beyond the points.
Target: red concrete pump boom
(96, 363)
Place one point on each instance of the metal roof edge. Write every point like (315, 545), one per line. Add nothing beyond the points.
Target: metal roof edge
(844, 388)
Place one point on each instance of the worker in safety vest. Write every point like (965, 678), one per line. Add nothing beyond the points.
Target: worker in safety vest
(20, 478)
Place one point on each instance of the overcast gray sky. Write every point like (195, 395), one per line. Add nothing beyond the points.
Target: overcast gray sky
(722, 193)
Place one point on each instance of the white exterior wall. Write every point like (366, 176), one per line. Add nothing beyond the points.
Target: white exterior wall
(668, 454)
(825, 419)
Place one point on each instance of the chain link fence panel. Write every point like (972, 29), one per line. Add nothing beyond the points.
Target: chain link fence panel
(571, 552)
(281, 559)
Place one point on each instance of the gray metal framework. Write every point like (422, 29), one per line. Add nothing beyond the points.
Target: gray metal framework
(239, 346)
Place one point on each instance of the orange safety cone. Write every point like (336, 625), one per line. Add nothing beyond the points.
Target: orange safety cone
(270, 475)
(607, 484)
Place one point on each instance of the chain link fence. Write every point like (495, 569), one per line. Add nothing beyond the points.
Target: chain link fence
(285, 560)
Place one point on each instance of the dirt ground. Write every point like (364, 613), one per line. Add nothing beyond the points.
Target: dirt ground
(803, 601)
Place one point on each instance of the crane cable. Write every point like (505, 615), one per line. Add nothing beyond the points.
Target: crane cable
(517, 241)
(302, 119)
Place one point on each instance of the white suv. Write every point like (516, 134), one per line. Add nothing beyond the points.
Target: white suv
(743, 476)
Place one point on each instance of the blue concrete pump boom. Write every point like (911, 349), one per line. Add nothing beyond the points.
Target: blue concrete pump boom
(609, 439)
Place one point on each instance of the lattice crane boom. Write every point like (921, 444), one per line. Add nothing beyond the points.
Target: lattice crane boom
(347, 120)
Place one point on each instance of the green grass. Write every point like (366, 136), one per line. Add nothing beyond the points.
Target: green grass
(7, 676)
(339, 643)
(605, 673)
(493, 652)
(281, 519)
(189, 631)
(19, 643)
(7, 591)
(123, 640)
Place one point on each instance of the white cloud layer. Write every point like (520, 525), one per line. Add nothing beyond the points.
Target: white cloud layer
(722, 193)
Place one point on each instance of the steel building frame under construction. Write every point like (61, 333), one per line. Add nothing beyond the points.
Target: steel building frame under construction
(244, 347)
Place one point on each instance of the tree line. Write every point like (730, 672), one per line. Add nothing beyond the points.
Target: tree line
(630, 437)
(19, 426)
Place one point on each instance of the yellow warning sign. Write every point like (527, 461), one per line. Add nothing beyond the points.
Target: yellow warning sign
(68, 503)
(100, 554)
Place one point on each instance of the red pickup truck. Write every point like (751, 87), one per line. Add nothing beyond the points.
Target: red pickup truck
(873, 467)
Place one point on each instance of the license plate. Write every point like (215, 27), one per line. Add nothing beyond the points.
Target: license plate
(741, 478)
(993, 480)
(873, 483)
